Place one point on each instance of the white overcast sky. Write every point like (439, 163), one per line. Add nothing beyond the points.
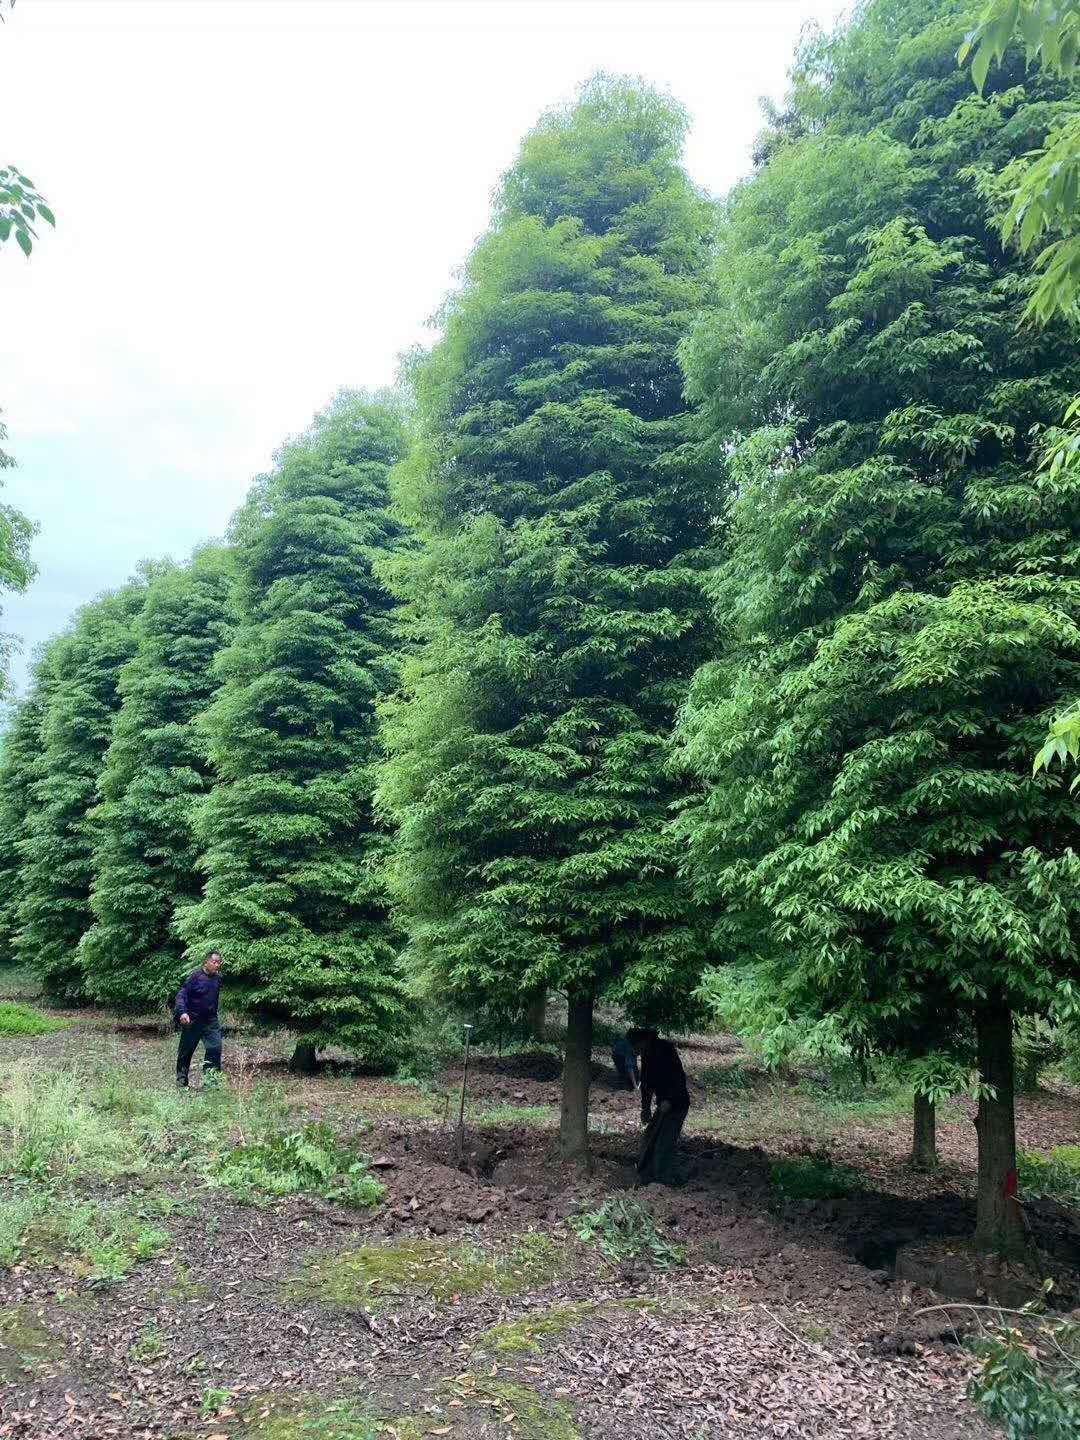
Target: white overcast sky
(259, 201)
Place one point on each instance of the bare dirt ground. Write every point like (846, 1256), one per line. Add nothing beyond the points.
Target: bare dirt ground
(785, 1319)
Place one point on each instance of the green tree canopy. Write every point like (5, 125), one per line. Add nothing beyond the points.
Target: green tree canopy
(156, 767)
(83, 670)
(900, 601)
(21, 750)
(558, 592)
(290, 847)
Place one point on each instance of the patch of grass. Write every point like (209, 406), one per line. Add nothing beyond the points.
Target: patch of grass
(520, 1409)
(728, 1077)
(309, 1160)
(377, 1273)
(533, 1115)
(48, 1127)
(1054, 1177)
(807, 1178)
(99, 1244)
(25, 1342)
(19, 982)
(17, 1018)
(529, 1331)
(288, 1417)
(17, 1213)
(625, 1230)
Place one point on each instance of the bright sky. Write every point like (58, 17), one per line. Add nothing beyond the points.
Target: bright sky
(259, 201)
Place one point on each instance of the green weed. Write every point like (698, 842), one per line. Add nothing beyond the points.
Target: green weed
(308, 1160)
(213, 1399)
(149, 1346)
(17, 1213)
(1028, 1379)
(625, 1230)
(19, 1019)
(806, 1178)
(1053, 1177)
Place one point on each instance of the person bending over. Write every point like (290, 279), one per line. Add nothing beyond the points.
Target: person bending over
(662, 1078)
(196, 1009)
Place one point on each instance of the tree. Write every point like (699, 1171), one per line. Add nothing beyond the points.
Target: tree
(558, 593)
(83, 668)
(21, 748)
(293, 897)
(901, 599)
(145, 859)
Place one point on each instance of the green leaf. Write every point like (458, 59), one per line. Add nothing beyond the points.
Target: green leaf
(25, 243)
(47, 214)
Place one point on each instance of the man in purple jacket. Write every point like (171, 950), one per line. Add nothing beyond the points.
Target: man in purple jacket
(197, 1011)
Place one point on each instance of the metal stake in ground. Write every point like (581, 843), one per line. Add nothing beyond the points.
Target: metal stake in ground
(461, 1111)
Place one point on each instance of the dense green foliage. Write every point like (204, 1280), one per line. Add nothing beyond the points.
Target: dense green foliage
(290, 846)
(900, 593)
(558, 591)
(145, 860)
(21, 748)
(83, 672)
(18, 1019)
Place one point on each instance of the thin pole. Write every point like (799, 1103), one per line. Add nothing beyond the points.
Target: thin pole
(461, 1111)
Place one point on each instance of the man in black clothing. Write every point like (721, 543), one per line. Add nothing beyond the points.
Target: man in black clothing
(196, 1009)
(662, 1076)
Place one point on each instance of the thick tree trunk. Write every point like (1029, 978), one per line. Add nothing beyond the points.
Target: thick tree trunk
(999, 1224)
(538, 1016)
(924, 1134)
(303, 1060)
(574, 1120)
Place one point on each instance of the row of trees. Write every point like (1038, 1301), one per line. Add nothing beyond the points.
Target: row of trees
(684, 639)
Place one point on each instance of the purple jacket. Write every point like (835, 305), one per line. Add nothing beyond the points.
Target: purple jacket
(198, 996)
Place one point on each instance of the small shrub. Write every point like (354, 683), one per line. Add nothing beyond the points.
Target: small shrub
(19, 1019)
(625, 1230)
(212, 1401)
(1029, 1380)
(812, 1179)
(308, 1160)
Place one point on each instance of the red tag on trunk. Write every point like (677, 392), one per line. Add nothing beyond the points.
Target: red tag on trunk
(1010, 1183)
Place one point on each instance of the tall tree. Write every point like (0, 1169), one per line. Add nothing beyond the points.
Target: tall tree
(21, 748)
(293, 897)
(558, 593)
(901, 601)
(156, 768)
(83, 697)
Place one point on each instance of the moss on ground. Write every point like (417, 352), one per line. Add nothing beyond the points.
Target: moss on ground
(536, 1116)
(436, 1269)
(25, 1342)
(523, 1410)
(528, 1332)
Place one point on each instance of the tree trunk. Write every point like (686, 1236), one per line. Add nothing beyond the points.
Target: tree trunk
(999, 1224)
(538, 1015)
(924, 1134)
(303, 1060)
(574, 1120)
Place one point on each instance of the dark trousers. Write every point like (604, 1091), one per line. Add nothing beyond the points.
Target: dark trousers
(658, 1144)
(209, 1032)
